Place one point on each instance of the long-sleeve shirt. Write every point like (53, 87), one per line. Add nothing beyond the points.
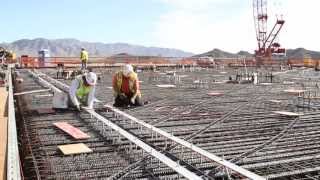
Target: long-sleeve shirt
(73, 93)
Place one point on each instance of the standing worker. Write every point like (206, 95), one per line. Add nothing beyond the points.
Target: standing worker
(82, 90)
(126, 88)
(84, 58)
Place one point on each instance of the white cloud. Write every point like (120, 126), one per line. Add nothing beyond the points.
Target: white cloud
(201, 25)
(302, 24)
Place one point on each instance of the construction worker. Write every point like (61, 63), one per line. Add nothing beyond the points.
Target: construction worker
(82, 90)
(126, 88)
(84, 58)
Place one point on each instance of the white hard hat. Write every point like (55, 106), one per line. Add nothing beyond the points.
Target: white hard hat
(127, 69)
(91, 78)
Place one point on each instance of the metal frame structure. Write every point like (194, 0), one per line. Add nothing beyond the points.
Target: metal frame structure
(156, 131)
(266, 45)
(238, 125)
(188, 145)
(13, 160)
(157, 154)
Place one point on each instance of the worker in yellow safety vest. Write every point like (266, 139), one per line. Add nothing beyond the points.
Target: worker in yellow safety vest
(126, 88)
(82, 90)
(84, 57)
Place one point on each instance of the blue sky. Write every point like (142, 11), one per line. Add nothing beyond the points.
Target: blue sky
(191, 25)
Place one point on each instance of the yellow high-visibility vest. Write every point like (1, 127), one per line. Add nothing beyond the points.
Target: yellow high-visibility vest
(84, 56)
(83, 91)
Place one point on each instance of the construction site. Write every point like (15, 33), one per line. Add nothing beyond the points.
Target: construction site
(202, 117)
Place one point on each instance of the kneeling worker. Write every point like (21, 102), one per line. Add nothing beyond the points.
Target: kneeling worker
(126, 88)
(82, 90)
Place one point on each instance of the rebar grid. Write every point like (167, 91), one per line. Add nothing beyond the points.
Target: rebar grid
(235, 123)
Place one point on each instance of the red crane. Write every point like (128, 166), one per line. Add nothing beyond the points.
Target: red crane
(266, 41)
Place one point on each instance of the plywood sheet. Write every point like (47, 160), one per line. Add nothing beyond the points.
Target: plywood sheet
(286, 113)
(74, 149)
(71, 130)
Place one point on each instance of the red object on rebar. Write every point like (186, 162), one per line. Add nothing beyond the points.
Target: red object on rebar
(71, 130)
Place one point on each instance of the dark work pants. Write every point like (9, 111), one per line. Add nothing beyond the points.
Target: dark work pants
(83, 65)
(121, 101)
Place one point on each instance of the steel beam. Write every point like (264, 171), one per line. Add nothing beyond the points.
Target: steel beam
(44, 82)
(13, 159)
(32, 92)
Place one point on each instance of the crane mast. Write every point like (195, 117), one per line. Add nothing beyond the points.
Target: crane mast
(266, 40)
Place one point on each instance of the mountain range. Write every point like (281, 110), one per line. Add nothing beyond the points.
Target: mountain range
(298, 53)
(71, 47)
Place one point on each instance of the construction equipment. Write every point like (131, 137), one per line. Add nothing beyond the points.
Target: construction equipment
(7, 56)
(266, 41)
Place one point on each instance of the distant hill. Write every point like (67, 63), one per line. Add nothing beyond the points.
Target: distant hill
(301, 52)
(71, 47)
(217, 53)
(298, 53)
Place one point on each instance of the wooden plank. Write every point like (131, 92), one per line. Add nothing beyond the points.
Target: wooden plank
(166, 85)
(45, 111)
(71, 130)
(74, 149)
(286, 113)
(3, 132)
(31, 92)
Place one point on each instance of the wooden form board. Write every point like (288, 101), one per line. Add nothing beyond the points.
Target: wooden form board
(71, 130)
(286, 113)
(74, 149)
(166, 85)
